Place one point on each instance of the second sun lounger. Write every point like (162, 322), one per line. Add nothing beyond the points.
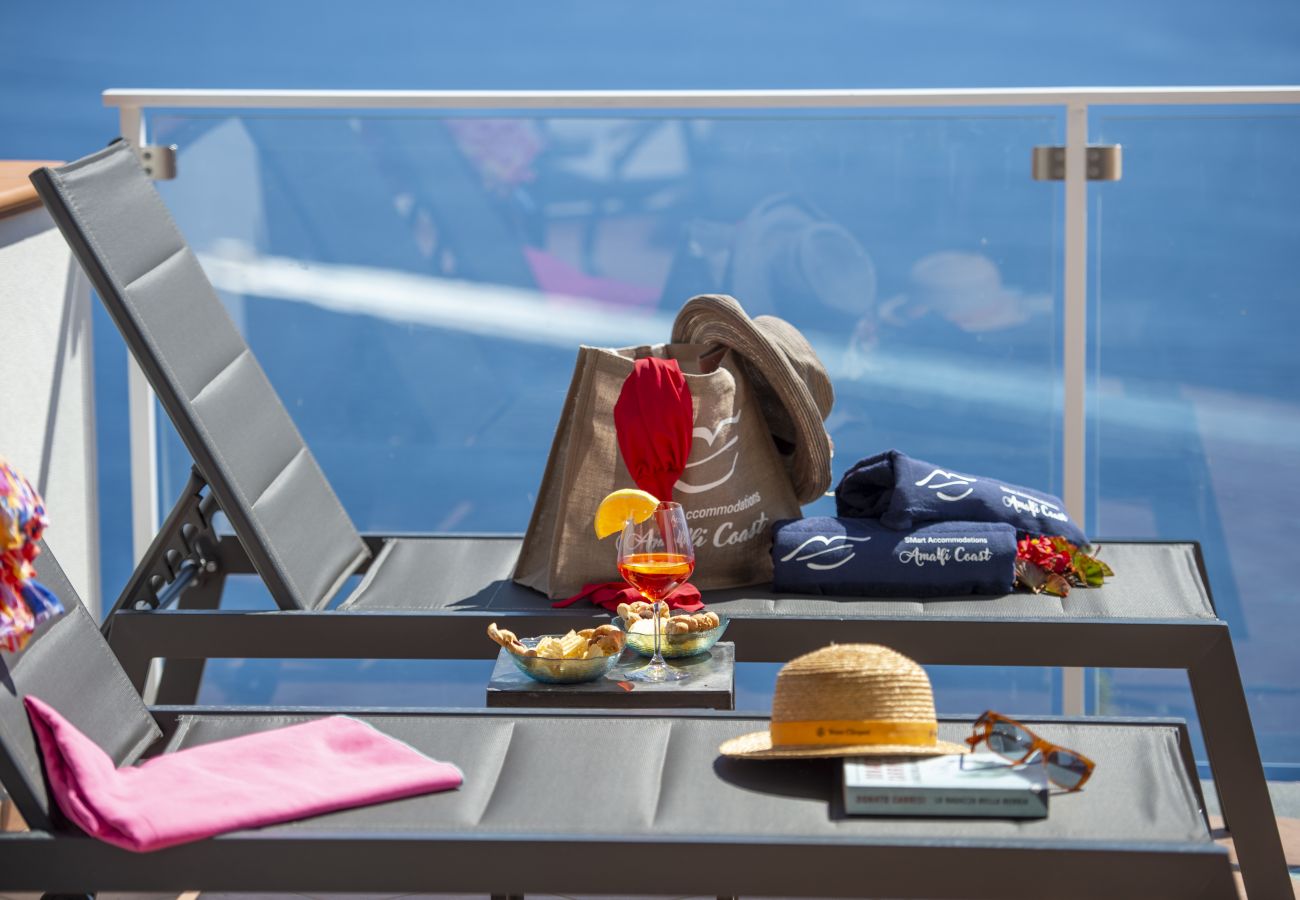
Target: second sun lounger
(592, 804)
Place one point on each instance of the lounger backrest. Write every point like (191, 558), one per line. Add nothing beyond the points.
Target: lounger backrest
(233, 423)
(69, 666)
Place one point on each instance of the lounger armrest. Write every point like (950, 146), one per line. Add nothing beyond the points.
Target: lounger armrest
(235, 559)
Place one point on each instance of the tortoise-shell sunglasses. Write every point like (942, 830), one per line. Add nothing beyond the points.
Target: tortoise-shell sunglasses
(1016, 743)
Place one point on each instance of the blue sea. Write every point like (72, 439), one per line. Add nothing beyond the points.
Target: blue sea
(911, 247)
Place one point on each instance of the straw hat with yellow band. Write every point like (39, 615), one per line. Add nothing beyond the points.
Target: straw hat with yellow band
(848, 700)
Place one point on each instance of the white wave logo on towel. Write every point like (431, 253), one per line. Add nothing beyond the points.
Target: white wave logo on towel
(954, 481)
(711, 435)
(834, 543)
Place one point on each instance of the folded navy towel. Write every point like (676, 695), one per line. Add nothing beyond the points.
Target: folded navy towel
(902, 492)
(861, 557)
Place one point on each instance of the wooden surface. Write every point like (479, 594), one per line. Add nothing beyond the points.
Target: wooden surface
(1288, 828)
(711, 686)
(16, 192)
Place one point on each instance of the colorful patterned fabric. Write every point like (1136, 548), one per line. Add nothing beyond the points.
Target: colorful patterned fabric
(24, 602)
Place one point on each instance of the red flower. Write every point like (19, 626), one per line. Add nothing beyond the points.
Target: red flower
(1044, 553)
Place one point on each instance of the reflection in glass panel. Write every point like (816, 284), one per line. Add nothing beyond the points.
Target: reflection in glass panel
(416, 286)
(1195, 419)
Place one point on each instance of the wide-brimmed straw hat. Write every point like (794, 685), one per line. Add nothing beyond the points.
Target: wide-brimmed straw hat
(785, 374)
(848, 700)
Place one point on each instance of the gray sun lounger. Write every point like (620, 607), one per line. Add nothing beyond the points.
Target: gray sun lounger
(432, 596)
(584, 803)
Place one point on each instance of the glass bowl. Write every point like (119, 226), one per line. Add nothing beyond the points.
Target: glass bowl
(562, 671)
(674, 646)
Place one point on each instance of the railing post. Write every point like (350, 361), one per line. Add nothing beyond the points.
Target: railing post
(1075, 354)
(141, 418)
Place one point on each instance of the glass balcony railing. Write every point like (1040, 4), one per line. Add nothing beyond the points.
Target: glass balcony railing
(416, 281)
(1194, 425)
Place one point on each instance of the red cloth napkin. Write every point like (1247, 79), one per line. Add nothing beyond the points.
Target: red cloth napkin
(653, 418)
(611, 593)
(255, 779)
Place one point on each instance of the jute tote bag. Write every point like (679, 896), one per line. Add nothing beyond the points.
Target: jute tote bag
(736, 482)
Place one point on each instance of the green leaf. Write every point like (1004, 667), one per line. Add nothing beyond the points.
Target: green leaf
(1089, 570)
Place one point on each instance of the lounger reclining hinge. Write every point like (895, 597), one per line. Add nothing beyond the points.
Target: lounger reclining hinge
(182, 555)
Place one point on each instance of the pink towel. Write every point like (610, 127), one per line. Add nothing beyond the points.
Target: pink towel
(256, 779)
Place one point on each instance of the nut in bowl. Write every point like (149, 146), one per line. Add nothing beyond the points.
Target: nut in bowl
(563, 659)
(680, 635)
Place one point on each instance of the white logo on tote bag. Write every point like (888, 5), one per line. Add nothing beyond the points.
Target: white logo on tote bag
(711, 435)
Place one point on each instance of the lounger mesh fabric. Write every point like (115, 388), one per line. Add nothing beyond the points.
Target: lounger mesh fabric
(523, 775)
(230, 418)
(1152, 581)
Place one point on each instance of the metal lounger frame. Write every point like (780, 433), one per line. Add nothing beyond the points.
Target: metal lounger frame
(214, 391)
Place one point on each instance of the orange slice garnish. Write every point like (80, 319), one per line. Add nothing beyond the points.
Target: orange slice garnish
(618, 507)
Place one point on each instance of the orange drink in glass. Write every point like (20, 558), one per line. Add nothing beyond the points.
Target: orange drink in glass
(656, 556)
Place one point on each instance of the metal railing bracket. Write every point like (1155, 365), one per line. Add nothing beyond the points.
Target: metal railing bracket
(1104, 162)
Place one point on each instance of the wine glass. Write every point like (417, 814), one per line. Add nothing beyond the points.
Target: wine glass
(656, 557)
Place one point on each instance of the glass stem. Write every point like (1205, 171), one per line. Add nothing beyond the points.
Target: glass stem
(657, 659)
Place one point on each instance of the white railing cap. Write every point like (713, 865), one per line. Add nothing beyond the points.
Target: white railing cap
(699, 99)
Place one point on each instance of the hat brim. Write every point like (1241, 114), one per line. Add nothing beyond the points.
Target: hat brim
(720, 319)
(1026, 307)
(758, 745)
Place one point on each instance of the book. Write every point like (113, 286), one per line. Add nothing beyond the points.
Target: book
(978, 784)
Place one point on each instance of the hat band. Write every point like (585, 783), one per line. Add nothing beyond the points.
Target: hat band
(855, 731)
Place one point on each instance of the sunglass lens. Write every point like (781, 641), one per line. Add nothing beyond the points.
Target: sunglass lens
(1066, 769)
(1010, 741)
